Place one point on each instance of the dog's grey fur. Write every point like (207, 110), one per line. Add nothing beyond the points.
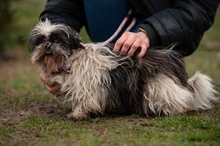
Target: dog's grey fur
(101, 80)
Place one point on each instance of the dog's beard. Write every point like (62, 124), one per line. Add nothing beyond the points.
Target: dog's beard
(52, 62)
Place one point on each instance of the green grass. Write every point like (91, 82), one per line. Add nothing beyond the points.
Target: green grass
(126, 130)
(29, 115)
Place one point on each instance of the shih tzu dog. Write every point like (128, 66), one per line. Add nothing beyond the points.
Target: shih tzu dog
(100, 80)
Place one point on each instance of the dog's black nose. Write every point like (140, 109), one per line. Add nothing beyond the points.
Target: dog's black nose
(47, 45)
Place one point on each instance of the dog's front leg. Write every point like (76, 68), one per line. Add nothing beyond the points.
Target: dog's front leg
(82, 110)
(78, 114)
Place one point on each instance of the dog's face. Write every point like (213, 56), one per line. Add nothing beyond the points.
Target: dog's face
(51, 45)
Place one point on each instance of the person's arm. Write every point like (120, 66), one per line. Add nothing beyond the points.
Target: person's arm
(69, 12)
(184, 23)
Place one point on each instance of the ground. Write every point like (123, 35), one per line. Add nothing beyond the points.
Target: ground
(29, 115)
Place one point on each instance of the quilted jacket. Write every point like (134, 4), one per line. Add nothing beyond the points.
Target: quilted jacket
(167, 21)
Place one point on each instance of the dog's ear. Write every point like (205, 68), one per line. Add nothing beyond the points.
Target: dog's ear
(35, 39)
(74, 39)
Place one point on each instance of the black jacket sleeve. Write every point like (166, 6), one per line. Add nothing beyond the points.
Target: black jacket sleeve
(70, 12)
(184, 23)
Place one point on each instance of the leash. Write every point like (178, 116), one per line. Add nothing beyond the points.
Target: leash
(121, 26)
(67, 68)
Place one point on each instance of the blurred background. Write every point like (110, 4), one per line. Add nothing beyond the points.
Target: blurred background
(18, 17)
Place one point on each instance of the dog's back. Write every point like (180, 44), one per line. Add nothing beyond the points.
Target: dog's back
(158, 84)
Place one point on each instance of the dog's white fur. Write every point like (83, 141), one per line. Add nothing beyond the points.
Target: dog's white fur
(168, 97)
(90, 89)
(86, 92)
(85, 85)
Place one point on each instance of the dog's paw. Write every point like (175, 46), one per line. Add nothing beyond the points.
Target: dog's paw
(78, 116)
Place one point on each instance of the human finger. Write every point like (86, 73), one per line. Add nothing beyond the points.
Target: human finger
(44, 78)
(143, 51)
(127, 45)
(134, 47)
(53, 89)
(119, 43)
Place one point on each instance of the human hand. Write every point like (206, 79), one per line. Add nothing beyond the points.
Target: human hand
(129, 42)
(52, 87)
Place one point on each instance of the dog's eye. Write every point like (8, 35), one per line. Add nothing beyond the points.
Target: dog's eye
(54, 38)
(57, 37)
(39, 40)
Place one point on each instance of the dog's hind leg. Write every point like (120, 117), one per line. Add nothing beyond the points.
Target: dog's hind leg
(166, 96)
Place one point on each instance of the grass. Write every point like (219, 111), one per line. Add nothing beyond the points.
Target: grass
(29, 115)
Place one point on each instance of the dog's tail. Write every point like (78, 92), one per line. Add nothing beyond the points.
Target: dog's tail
(204, 93)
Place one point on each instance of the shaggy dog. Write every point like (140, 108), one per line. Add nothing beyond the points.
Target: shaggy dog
(100, 80)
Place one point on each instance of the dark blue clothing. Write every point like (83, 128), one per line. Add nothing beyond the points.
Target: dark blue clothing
(105, 16)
